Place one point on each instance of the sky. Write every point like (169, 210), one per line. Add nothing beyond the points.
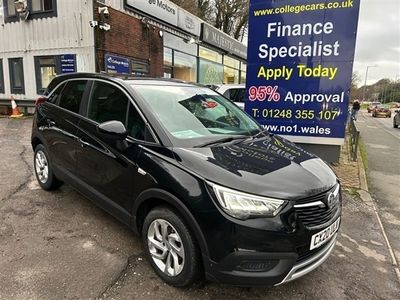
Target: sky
(378, 40)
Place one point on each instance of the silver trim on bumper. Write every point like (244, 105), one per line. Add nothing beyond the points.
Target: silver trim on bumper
(311, 263)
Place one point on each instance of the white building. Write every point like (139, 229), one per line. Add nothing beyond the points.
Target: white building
(53, 38)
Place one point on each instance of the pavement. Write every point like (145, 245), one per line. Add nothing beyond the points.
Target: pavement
(382, 144)
(60, 245)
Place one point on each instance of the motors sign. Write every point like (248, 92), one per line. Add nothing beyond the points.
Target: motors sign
(300, 60)
(116, 64)
(212, 36)
(161, 9)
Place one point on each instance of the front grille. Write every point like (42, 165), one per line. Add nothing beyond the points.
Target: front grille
(315, 198)
(305, 252)
(316, 216)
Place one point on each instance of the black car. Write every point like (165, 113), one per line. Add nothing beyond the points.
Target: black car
(207, 189)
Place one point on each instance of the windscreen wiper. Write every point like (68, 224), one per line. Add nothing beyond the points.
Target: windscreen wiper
(223, 140)
(262, 132)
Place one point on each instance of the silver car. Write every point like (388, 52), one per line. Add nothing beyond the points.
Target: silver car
(396, 119)
(234, 92)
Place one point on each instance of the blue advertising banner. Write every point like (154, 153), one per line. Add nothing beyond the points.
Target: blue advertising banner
(68, 63)
(116, 64)
(300, 62)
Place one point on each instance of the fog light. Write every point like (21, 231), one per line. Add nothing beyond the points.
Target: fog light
(258, 266)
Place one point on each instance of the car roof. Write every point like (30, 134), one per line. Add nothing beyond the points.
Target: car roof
(131, 80)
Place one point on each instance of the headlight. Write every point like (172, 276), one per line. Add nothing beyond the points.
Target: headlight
(242, 206)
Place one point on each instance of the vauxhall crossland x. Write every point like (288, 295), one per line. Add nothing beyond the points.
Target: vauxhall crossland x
(210, 192)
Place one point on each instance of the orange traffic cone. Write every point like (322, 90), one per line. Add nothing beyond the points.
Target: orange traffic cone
(15, 111)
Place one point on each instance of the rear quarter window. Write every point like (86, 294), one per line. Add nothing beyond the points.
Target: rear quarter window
(55, 94)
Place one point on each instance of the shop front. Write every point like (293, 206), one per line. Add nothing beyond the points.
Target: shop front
(191, 49)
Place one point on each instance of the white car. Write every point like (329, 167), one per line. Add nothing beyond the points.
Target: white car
(234, 92)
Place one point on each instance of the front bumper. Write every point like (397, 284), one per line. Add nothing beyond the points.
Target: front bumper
(282, 267)
(310, 264)
(382, 114)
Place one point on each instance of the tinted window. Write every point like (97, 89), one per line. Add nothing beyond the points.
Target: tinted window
(136, 126)
(107, 103)
(72, 95)
(54, 96)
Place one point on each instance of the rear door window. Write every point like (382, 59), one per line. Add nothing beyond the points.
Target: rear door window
(107, 103)
(71, 96)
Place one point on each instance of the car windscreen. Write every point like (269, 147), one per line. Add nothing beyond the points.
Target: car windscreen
(193, 115)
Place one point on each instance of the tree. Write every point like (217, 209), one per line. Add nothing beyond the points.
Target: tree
(204, 10)
(189, 5)
(231, 16)
(355, 92)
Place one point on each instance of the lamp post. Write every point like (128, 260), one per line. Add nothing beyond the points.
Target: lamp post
(365, 82)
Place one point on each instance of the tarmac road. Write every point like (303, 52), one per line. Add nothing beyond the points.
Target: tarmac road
(382, 143)
(58, 244)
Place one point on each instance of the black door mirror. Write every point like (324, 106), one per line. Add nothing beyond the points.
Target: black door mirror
(112, 130)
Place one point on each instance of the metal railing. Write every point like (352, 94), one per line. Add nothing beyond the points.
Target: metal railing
(354, 137)
(22, 104)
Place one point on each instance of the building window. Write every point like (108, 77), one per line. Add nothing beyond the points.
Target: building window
(1, 77)
(42, 8)
(10, 14)
(231, 70)
(185, 67)
(10, 8)
(243, 72)
(210, 55)
(16, 75)
(167, 56)
(36, 8)
(46, 70)
(42, 5)
(139, 68)
(210, 72)
(231, 75)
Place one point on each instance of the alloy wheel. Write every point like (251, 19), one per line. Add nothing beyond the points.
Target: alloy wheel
(166, 247)
(41, 166)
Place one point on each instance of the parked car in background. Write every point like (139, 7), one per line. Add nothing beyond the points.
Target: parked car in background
(381, 110)
(395, 105)
(396, 119)
(234, 92)
(372, 106)
(208, 190)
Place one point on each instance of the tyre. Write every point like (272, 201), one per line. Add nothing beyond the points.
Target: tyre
(394, 124)
(171, 248)
(43, 169)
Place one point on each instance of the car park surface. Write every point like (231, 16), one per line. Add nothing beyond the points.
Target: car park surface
(60, 245)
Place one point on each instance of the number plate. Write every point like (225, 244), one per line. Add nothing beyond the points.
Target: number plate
(323, 236)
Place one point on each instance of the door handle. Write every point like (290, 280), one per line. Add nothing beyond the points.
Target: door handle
(51, 122)
(83, 143)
